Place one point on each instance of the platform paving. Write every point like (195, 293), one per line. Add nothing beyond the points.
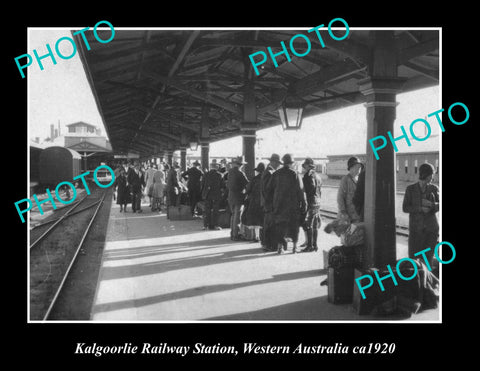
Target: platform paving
(154, 269)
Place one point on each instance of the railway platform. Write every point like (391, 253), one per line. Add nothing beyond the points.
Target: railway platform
(154, 270)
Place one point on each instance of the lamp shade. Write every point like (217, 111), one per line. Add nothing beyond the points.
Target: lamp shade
(291, 114)
(193, 145)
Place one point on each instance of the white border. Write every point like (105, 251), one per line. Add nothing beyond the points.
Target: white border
(399, 322)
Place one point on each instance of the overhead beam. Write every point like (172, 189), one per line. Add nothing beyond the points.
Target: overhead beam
(203, 96)
(127, 52)
(417, 50)
(326, 77)
(422, 70)
(147, 130)
(176, 64)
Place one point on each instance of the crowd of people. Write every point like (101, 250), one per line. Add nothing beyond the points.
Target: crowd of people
(276, 203)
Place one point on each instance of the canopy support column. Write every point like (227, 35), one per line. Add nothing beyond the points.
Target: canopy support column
(249, 123)
(183, 159)
(205, 139)
(380, 90)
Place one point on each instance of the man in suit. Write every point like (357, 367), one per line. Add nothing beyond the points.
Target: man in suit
(212, 194)
(312, 221)
(288, 203)
(236, 183)
(194, 178)
(136, 181)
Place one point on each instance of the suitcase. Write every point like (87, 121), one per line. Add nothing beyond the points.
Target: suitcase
(181, 212)
(340, 285)
(340, 256)
(248, 233)
(224, 216)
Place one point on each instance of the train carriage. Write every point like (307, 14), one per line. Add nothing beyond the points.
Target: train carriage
(58, 164)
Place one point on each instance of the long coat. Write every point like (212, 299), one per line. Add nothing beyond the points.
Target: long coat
(346, 191)
(212, 186)
(149, 179)
(123, 193)
(288, 196)
(236, 184)
(194, 179)
(158, 184)
(172, 180)
(312, 185)
(136, 181)
(266, 193)
(422, 227)
(253, 212)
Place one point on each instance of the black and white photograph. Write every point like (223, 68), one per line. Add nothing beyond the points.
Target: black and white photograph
(204, 191)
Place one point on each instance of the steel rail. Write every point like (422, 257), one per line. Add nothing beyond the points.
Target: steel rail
(400, 230)
(56, 223)
(60, 287)
(69, 214)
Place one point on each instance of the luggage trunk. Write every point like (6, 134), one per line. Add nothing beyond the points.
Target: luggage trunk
(181, 212)
(224, 216)
(340, 285)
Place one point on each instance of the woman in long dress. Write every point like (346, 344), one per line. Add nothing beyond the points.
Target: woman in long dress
(158, 188)
(421, 202)
(253, 214)
(123, 191)
(149, 182)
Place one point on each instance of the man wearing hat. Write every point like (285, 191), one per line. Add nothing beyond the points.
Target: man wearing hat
(194, 176)
(312, 186)
(212, 193)
(266, 201)
(136, 180)
(288, 203)
(421, 202)
(346, 191)
(172, 187)
(236, 183)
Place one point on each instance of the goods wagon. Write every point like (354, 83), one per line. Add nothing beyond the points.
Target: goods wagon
(58, 164)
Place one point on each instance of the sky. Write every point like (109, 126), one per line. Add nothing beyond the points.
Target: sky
(61, 94)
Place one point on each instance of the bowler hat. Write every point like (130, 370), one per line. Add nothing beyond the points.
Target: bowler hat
(238, 160)
(287, 159)
(352, 161)
(275, 157)
(196, 163)
(260, 167)
(308, 163)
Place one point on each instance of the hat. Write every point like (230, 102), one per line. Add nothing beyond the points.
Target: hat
(196, 163)
(425, 170)
(260, 167)
(287, 159)
(275, 157)
(238, 160)
(352, 161)
(308, 163)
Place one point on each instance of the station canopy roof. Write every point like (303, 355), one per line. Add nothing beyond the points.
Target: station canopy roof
(152, 85)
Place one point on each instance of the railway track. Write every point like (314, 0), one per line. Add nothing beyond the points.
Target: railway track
(401, 230)
(55, 250)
